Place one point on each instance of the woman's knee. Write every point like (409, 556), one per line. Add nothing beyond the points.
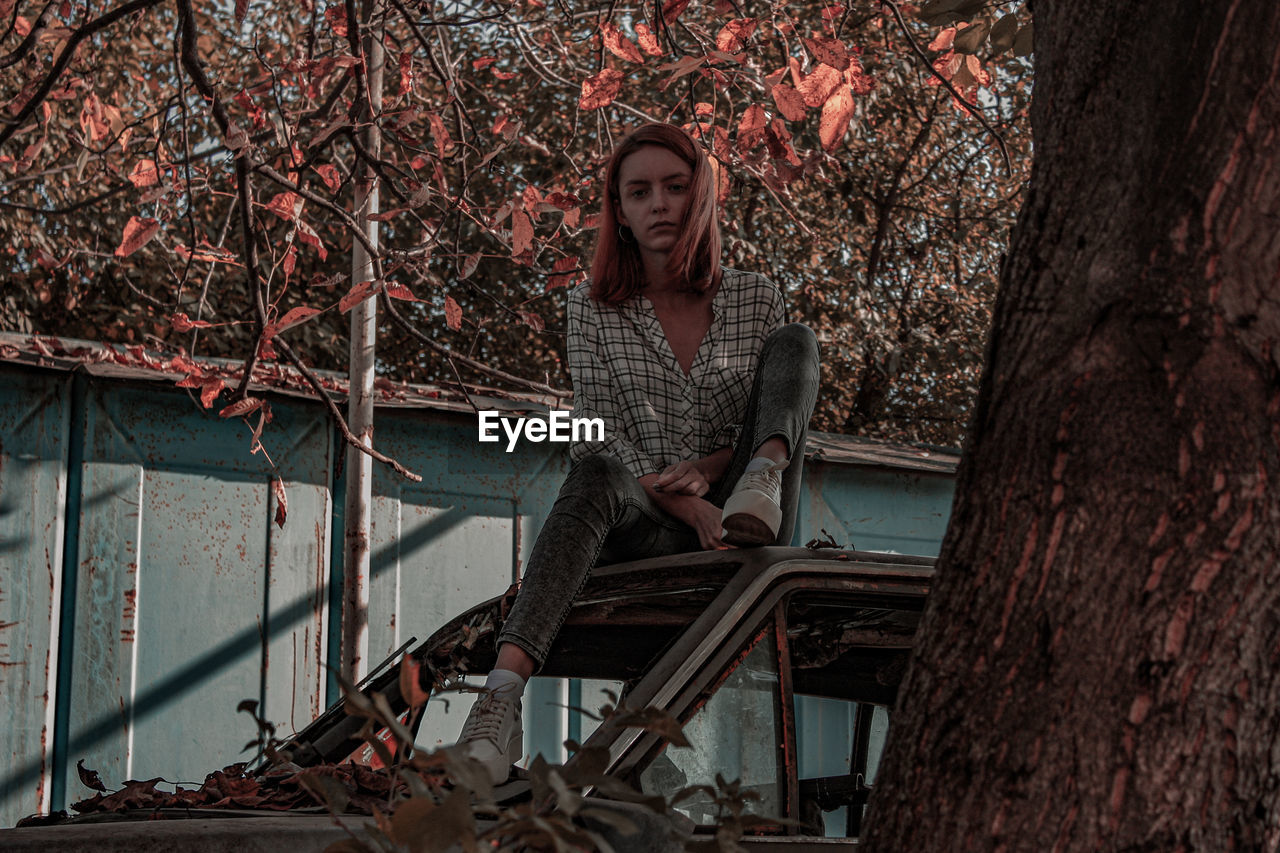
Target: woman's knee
(601, 470)
(793, 341)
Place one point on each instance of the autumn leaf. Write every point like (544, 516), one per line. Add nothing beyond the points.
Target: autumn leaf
(532, 320)
(242, 9)
(452, 314)
(944, 39)
(282, 501)
(336, 16)
(357, 294)
(788, 101)
(469, 265)
(207, 253)
(292, 317)
(181, 323)
(733, 37)
(521, 232)
(751, 128)
(329, 174)
(1003, 33)
(399, 291)
(829, 51)
(836, 113)
(564, 272)
(599, 90)
(137, 231)
(145, 174)
(286, 205)
(210, 387)
(618, 44)
(440, 134)
(89, 778)
(818, 85)
(241, 407)
(648, 41)
(672, 9)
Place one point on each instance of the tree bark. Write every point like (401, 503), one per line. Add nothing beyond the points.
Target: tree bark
(1099, 663)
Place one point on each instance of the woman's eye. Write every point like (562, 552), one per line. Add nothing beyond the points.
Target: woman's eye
(677, 188)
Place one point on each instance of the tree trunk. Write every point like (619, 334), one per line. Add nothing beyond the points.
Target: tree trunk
(1099, 664)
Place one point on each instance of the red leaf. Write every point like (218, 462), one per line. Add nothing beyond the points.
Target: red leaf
(565, 271)
(672, 10)
(469, 265)
(818, 85)
(308, 236)
(286, 205)
(648, 41)
(944, 39)
(242, 9)
(337, 18)
(145, 174)
(137, 231)
(836, 113)
(205, 252)
(329, 174)
(532, 320)
(618, 44)
(452, 314)
(241, 407)
(399, 291)
(282, 501)
(751, 128)
(733, 37)
(406, 72)
(789, 102)
(386, 215)
(292, 317)
(440, 134)
(356, 295)
(599, 90)
(521, 232)
(210, 387)
(181, 323)
(829, 51)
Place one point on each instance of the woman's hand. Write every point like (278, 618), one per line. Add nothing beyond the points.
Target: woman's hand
(703, 516)
(683, 478)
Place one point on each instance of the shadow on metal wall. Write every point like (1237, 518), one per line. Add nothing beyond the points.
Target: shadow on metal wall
(172, 688)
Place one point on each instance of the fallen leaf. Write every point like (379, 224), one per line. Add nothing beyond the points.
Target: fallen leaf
(89, 778)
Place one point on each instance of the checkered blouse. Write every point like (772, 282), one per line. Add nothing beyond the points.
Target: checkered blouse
(624, 372)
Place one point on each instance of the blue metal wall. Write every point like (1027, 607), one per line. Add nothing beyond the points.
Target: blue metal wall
(145, 590)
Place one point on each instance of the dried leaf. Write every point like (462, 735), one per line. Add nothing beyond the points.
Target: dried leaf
(241, 407)
(242, 9)
(836, 113)
(789, 102)
(357, 294)
(564, 272)
(819, 84)
(829, 51)
(733, 36)
(89, 778)
(599, 90)
(751, 128)
(440, 134)
(286, 205)
(944, 39)
(973, 37)
(521, 232)
(672, 9)
(1004, 33)
(469, 265)
(1023, 44)
(181, 323)
(648, 41)
(292, 317)
(137, 231)
(145, 174)
(618, 44)
(452, 314)
(329, 174)
(282, 501)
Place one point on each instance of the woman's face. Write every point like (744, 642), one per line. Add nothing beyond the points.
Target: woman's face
(653, 190)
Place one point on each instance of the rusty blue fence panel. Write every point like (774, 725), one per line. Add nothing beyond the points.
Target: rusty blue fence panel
(145, 590)
(33, 483)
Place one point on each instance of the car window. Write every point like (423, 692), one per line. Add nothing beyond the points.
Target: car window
(827, 745)
(735, 734)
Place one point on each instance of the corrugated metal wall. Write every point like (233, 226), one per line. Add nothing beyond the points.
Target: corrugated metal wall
(145, 590)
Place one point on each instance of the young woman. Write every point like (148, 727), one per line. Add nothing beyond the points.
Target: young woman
(705, 397)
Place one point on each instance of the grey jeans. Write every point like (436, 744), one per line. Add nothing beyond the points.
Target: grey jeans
(603, 515)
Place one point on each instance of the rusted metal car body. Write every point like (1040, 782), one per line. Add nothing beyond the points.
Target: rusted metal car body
(735, 644)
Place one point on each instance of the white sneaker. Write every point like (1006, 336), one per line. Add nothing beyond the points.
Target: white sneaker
(753, 513)
(494, 734)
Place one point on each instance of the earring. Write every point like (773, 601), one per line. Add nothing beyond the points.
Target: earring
(622, 238)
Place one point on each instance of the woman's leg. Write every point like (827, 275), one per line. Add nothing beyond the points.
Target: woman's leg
(783, 395)
(601, 509)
